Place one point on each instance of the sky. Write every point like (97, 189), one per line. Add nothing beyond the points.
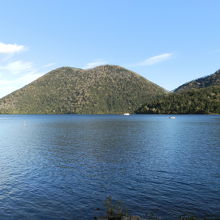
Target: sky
(168, 42)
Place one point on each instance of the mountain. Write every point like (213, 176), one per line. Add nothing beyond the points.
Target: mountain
(191, 101)
(200, 96)
(105, 89)
(211, 80)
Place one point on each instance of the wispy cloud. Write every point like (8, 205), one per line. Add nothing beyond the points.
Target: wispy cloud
(94, 64)
(49, 65)
(10, 85)
(154, 60)
(11, 48)
(15, 74)
(16, 67)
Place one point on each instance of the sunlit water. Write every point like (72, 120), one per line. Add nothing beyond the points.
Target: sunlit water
(64, 167)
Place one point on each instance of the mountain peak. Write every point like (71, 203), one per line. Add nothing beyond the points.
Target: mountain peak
(105, 89)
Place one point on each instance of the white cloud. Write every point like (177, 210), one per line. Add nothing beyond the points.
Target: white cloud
(94, 64)
(7, 86)
(16, 74)
(10, 48)
(16, 67)
(154, 60)
(49, 65)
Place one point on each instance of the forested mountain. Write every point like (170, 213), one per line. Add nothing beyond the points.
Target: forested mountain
(102, 90)
(203, 82)
(193, 101)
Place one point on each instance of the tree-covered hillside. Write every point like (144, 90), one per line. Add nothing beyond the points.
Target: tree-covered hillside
(203, 82)
(101, 90)
(194, 101)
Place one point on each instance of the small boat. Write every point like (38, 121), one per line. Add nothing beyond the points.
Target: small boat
(126, 114)
(172, 117)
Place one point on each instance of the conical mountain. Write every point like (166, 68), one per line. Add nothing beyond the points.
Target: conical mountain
(105, 89)
(204, 82)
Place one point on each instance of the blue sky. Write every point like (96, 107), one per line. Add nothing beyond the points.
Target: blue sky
(168, 42)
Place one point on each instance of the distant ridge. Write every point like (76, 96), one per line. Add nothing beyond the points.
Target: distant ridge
(191, 101)
(203, 82)
(105, 89)
(200, 96)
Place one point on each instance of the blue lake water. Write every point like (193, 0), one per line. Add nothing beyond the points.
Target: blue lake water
(64, 166)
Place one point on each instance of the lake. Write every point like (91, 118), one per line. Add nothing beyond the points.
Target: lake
(65, 166)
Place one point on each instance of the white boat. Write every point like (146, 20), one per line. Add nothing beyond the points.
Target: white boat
(126, 114)
(172, 117)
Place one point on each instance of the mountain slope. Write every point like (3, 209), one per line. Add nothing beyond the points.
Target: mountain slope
(193, 101)
(101, 90)
(211, 80)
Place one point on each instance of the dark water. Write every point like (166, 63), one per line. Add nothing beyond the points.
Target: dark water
(63, 167)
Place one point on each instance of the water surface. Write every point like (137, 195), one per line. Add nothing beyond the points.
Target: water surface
(64, 166)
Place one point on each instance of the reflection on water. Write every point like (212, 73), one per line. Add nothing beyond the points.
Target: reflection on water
(63, 167)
